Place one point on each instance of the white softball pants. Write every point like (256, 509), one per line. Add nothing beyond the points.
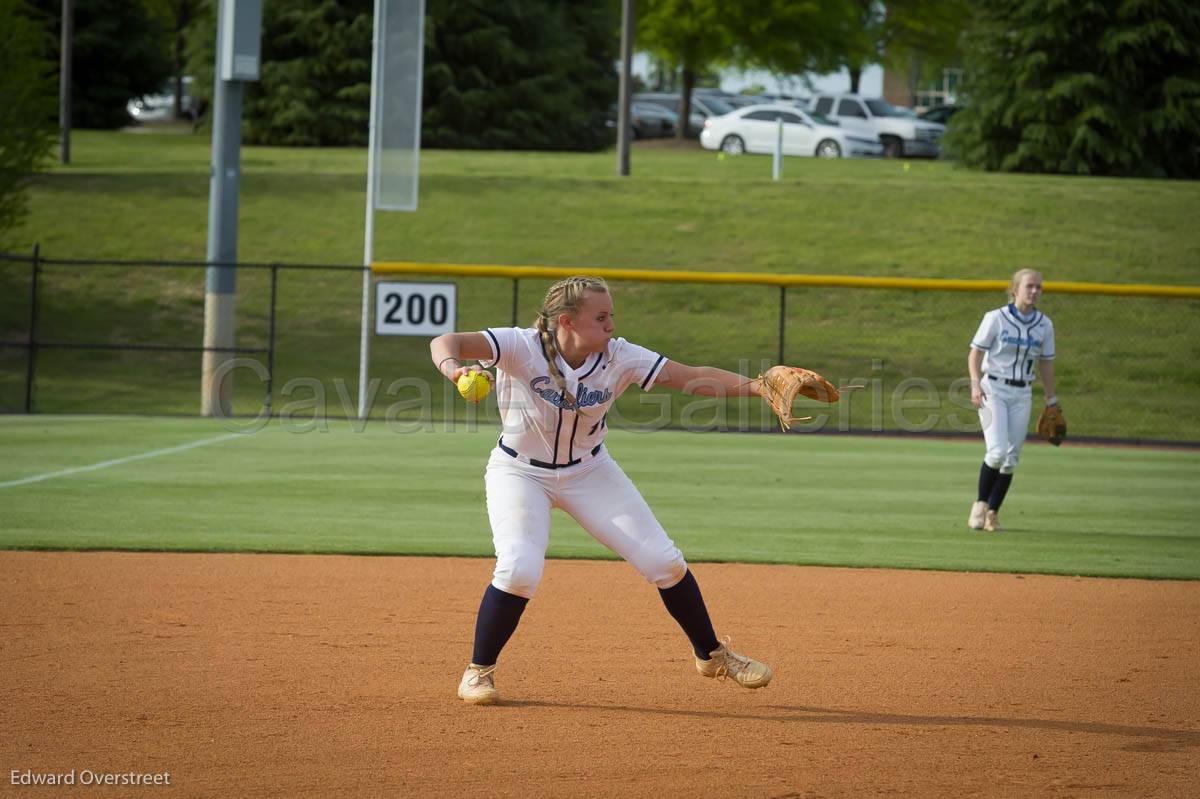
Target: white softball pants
(1004, 415)
(597, 494)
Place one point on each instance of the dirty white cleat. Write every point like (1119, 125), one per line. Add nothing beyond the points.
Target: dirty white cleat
(726, 663)
(991, 522)
(478, 687)
(978, 513)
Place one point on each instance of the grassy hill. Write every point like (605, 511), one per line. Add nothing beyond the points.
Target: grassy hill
(1127, 367)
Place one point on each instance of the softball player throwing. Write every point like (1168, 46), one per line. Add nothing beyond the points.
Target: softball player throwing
(1010, 341)
(555, 383)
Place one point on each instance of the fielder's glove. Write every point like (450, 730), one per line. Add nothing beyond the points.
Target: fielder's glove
(1052, 425)
(780, 385)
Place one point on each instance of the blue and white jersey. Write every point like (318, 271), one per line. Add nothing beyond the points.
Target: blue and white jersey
(537, 420)
(1012, 344)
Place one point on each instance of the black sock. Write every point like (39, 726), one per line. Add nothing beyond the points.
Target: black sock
(996, 498)
(987, 481)
(686, 605)
(499, 613)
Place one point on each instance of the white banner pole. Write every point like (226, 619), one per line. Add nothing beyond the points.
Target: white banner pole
(364, 347)
(777, 163)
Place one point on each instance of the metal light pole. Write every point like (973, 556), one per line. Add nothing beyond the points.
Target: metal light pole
(624, 125)
(64, 81)
(239, 27)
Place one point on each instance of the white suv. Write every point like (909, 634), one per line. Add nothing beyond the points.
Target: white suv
(901, 134)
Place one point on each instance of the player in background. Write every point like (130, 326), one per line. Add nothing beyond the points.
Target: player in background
(1011, 341)
(554, 386)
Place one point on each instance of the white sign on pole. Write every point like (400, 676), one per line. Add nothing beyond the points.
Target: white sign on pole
(397, 63)
(415, 309)
(396, 103)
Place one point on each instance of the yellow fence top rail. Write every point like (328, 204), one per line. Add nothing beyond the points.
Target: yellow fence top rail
(767, 279)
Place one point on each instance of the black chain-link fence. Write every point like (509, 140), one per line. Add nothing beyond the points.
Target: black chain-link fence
(126, 337)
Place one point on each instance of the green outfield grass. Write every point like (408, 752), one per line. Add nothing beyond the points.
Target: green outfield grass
(827, 500)
(1128, 368)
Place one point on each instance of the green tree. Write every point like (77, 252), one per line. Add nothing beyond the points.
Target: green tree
(120, 51)
(316, 74)
(27, 97)
(789, 38)
(692, 35)
(779, 36)
(1107, 87)
(315, 80)
(901, 32)
(527, 74)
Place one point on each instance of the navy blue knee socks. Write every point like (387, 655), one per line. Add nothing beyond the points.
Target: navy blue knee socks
(993, 486)
(999, 490)
(499, 613)
(686, 605)
(987, 480)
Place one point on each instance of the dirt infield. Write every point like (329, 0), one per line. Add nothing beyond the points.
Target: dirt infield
(276, 675)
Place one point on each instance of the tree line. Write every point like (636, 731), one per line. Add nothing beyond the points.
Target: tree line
(1104, 87)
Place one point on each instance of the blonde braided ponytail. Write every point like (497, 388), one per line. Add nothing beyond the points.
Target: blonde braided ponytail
(565, 296)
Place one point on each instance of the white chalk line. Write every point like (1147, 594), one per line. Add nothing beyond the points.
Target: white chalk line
(37, 478)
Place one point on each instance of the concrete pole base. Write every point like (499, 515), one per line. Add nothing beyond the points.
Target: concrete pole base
(216, 381)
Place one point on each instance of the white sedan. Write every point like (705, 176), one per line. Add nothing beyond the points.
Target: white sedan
(753, 130)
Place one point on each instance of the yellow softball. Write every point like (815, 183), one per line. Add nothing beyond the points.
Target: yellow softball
(474, 386)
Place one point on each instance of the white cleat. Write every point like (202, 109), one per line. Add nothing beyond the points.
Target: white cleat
(978, 515)
(478, 687)
(991, 522)
(724, 663)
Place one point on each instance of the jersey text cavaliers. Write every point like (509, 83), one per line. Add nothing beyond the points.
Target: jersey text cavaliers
(544, 387)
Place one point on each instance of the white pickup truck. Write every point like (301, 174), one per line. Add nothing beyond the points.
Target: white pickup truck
(902, 135)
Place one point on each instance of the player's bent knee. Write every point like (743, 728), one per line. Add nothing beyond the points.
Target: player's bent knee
(667, 571)
(520, 577)
(523, 590)
(1008, 467)
(995, 460)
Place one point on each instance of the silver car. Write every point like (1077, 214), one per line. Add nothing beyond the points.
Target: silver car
(161, 106)
(703, 106)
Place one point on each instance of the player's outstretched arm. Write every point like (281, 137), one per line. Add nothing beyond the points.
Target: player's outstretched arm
(708, 381)
(449, 350)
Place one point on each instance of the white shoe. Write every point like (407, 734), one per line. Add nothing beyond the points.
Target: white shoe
(724, 662)
(478, 686)
(991, 522)
(978, 515)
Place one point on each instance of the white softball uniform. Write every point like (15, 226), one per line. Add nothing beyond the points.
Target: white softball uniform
(551, 455)
(1012, 345)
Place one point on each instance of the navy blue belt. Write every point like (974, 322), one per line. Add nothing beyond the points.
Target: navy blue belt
(542, 464)
(1017, 383)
